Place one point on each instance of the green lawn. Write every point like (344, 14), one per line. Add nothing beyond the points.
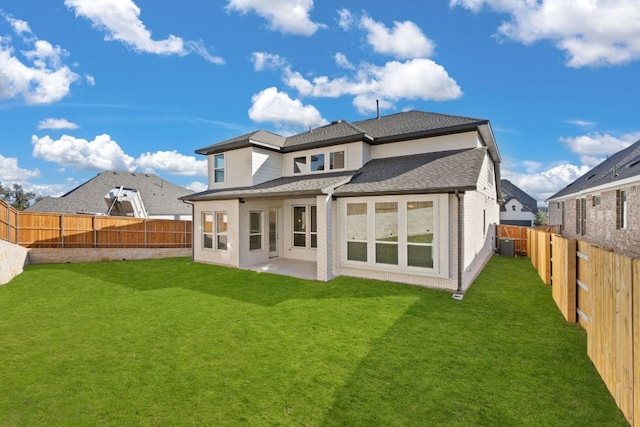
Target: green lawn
(167, 342)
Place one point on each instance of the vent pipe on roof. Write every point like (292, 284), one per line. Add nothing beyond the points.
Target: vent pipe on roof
(377, 108)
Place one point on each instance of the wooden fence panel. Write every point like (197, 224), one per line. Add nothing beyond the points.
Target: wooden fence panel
(515, 233)
(78, 232)
(609, 332)
(8, 222)
(564, 276)
(39, 230)
(120, 232)
(584, 279)
(543, 246)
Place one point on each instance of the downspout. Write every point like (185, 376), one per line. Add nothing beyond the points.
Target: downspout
(193, 224)
(460, 247)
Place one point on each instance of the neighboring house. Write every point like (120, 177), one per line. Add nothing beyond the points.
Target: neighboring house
(160, 197)
(410, 197)
(603, 206)
(517, 207)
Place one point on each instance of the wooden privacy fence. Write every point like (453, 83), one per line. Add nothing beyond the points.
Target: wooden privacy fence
(601, 290)
(8, 222)
(54, 230)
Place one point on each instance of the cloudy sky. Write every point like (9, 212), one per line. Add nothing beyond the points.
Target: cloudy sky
(139, 85)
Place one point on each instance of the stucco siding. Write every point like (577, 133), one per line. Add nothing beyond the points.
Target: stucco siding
(266, 165)
(426, 145)
(211, 255)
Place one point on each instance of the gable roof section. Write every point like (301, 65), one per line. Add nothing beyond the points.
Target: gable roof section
(438, 172)
(621, 166)
(159, 196)
(257, 138)
(392, 128)
(511, 191)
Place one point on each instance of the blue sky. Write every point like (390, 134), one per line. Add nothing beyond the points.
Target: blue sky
(138, 85)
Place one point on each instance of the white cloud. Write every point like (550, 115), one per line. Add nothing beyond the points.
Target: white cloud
(197, 186)
(343, 62)
(11, 172)
(267, 61)
(345, 19)
(405, 40)
(591, 32)
(56, 124)
(582, 123)
(542, 185)
(413, 79)
(278, 108)
(594, 148)
(171, 162)
(286, 16)
(120, 20)
(102, 153)
(39, 77)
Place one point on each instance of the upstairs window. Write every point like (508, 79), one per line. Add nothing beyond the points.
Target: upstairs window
(336, 160)
(218, 168)
(299, 165)
(317, 162)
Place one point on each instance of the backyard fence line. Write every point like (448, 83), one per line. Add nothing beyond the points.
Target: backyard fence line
(8, 222)
(57, 230)
(600, 289)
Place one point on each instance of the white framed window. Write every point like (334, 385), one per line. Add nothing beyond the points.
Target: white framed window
(221, 231)
(317, 162)
(255, 230)
(218, 168)
(336, 160)
(391, 233)
(300, 164)
(207, 230)
(305, 227)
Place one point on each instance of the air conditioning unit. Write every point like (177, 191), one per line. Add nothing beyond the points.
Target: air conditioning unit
(508, 248)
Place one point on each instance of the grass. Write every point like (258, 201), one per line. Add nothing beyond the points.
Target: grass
(166, 342)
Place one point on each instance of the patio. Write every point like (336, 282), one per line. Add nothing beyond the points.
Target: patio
(288, 267)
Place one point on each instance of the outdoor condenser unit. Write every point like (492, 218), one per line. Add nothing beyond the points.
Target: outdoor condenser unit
(507, 248)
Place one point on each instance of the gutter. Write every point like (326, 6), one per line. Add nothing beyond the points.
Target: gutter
(193, 223)
(460, 234)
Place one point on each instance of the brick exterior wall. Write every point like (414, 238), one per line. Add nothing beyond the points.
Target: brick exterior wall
(600, 227)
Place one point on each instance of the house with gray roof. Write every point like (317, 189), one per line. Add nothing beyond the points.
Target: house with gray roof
(603, 205)
(517, 207)
(160, 197)
(411, 197)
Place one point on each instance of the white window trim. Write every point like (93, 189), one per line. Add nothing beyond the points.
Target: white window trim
(217, 232)
(223, 168)
(308, 223)
(327, 161)
(440, 257)
(261, 233)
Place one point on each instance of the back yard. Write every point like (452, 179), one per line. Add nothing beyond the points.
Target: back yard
(166, 342)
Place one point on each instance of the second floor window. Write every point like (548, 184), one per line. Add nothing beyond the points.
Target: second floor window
(218, 168)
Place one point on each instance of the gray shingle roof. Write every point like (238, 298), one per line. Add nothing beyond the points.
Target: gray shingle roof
(394, 127)
(286, 186)
(621, 165)
(422, 173)
(511, 191)
(159, 196)
(259, 136)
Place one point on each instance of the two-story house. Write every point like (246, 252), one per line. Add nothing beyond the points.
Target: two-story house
(410, 197)
(603, 205)
(517, 207)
